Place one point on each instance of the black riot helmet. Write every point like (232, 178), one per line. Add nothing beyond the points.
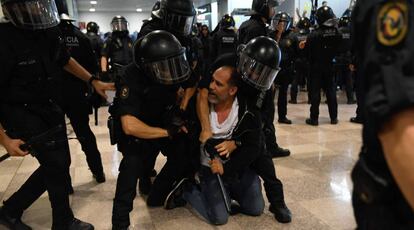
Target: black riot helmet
(119, 24)
(259, 62)
(325, 16)
(344, 22)
(282, 17)
(31, 14)
(304, 23)
(178, 16)
(162, 57)
(227, 22)
(92, 27)
(155, 12)
(66, 18)
(262, 8)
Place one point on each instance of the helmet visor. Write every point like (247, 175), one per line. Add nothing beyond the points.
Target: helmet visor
(119, 26)
(256, 74)
(33, 15)
(180, 24)
(280, 25)
(170, 71)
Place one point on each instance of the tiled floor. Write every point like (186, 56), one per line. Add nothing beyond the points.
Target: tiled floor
(316, 180)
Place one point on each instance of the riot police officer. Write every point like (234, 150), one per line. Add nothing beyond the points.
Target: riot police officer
(92, 29)
(322, 46)
(281, 33)
(150, 119)
(176, 17)
(383, 177)
(117, 50)
(301, 63)
(344, 59)
(262, 12)
(225, 40)
(32, 56)
(74, 93)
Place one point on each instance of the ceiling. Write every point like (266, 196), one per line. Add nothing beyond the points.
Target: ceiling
(124, 5)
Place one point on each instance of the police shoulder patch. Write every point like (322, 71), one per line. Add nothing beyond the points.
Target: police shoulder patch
(124, 92)
(392, 22)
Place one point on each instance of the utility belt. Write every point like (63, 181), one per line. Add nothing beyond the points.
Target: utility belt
(116, 71)
(370, 187)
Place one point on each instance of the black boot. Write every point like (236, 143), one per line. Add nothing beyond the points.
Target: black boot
(284, 120)
(281, 212)
(312, 122)
(10, 222)
(75, 224)
(356, 120)
(279, 152)
(99, 177)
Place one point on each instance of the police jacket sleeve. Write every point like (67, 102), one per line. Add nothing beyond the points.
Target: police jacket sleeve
(89, 56)
(251, 148)
(55, 40)
(129, 92)
(387, 69)
(106, 48)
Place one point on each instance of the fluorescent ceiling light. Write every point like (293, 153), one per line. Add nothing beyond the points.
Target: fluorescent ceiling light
(139, 10)
(94, 2)
(92, 10)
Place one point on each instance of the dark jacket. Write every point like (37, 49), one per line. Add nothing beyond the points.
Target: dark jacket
(252, 28)
(248, 133)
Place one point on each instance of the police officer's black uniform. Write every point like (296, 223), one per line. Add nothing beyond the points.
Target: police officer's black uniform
(301, 61)
(322, 46)
(148, 91)
(377, 200)
(74, 94)
(288, 44)
(32, 56)
(177, 18)
(96, 41)
(252, 28)
(225, 40)
(117, 49)
(344, 59)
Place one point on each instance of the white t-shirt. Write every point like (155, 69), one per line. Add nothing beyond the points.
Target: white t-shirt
(223, 130)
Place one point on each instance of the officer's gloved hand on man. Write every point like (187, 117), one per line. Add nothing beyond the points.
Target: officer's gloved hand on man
(174, 121)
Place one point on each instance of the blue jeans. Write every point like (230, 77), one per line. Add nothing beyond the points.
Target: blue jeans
(208, 201)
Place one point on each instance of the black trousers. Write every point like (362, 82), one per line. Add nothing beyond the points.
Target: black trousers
(136, 164)
(285, 79)
(268, 116)
(345, 77)
(299, 78)
(325, 81)
(24, 122)
(77, 109)
(265, 168)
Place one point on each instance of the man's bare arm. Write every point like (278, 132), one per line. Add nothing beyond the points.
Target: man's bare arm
(397, 139)
(134, 127)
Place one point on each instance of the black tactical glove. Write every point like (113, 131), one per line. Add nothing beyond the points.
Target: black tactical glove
(173, 121)
(175, 127)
